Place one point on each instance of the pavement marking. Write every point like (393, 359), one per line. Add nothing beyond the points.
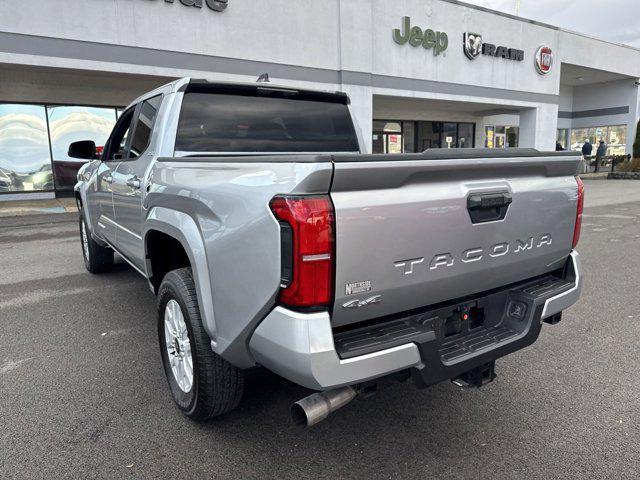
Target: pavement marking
(10, 365)
(38, 296)
(115, 333)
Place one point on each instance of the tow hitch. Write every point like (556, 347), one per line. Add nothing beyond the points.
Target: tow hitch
(476, 377)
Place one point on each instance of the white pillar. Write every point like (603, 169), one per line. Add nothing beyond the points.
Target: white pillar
(538, 127)
(632, 122)
(362, 111)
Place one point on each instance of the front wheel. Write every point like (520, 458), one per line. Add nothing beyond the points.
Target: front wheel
(97, 259)
(202, 383)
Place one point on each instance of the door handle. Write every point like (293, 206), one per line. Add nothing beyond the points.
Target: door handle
(488, 207)
(134, 182)
(108, 179)
(490, 200)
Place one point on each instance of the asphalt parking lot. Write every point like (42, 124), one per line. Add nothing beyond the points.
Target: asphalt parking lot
(83, 394)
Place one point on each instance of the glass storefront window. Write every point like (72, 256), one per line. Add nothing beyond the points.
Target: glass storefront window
(579, 136)
(25, 160)
(388, 137)
(465, 135)
(614, 136)
(561, 137)
(449, 135)
(617, 140)
(408, 136)
(428, 135)
(501, 136)
(68, 124)
(512, 136)
(489, 140)
(418, 136)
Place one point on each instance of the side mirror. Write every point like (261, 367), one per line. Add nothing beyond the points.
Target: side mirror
(84, 149)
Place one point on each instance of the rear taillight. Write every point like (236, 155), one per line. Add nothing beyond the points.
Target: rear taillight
(578, 225)
(307, 249)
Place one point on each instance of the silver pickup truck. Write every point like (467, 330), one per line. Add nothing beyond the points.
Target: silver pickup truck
(270, 239)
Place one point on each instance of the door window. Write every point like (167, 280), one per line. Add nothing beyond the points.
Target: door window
(449, 135)
(117, 145)
(144, 125)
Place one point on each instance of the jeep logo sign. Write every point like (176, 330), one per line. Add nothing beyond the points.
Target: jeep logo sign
(215, 5)
(428, 39)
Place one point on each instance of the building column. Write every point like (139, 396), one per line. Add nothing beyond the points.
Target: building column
(632, 122)
(362, 111)
(538, 127)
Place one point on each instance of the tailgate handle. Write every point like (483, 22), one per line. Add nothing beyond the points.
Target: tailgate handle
(488, 207)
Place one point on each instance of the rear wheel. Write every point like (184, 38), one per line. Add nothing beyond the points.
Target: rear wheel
(97, 259)
(202, 383)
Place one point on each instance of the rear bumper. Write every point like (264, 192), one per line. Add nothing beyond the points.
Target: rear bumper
(302, 347)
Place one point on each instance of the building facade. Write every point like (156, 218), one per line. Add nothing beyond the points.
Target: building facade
(420, 73)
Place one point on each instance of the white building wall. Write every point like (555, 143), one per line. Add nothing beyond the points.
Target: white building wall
(329, 44)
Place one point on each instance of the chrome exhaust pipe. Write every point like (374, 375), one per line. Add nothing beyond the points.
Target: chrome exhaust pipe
(315, 408)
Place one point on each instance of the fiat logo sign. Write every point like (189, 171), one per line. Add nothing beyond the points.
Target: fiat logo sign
(544, 59)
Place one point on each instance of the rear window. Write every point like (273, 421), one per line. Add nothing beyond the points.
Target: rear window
(211, 123)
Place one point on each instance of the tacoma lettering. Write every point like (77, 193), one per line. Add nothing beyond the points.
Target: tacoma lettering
(477, 254)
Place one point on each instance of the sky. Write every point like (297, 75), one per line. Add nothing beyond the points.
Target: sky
(614, 20)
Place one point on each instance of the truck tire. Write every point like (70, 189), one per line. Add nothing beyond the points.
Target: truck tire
(202, 383)
(97, 259)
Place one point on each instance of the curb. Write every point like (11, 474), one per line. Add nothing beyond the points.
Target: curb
(624, 176)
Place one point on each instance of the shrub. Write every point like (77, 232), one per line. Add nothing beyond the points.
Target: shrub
(632, 165)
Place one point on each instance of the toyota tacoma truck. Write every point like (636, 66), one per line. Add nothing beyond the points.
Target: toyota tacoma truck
(271, 239)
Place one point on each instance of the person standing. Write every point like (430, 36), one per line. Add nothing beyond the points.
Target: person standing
(600, 153)
(587, 148)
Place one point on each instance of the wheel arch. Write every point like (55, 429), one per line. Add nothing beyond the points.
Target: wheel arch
(168, 225)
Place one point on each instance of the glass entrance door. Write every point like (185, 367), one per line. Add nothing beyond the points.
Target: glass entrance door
(500, 140)
(387, 137)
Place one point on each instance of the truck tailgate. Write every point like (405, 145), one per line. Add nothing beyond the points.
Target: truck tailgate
(419, 229)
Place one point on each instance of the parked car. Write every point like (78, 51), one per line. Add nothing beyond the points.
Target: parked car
(43, 178)
(5, 181)
(270, 239)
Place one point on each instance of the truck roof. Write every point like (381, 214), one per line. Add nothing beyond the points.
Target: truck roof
(186, 84)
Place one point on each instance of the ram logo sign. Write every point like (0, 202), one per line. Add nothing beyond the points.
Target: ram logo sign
(472, 45)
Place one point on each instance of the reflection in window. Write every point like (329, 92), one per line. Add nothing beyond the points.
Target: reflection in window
(142, 132)
(501, 136)
(615, 137)
(512, 136)
(465, 135)
(417, 136)
(25, 162)
(561, 137)
(72, 124)
(68, 124)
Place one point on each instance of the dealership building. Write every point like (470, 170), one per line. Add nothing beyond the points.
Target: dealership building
(420, 73)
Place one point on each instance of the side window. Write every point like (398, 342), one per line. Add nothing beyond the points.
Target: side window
(143, 126)
(116, 146)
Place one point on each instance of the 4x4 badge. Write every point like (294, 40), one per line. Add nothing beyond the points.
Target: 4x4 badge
(362, 303)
